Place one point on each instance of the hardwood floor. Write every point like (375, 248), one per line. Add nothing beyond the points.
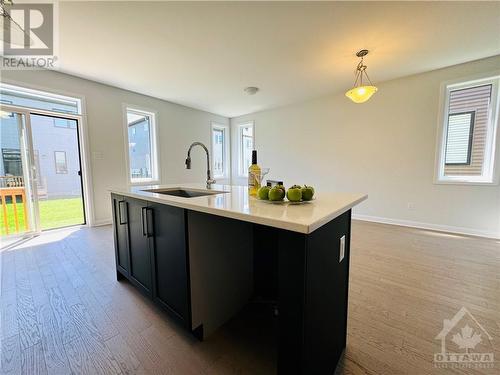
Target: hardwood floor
(63, 312)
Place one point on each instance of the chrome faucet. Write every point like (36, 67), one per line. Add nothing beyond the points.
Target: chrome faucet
(210, 181)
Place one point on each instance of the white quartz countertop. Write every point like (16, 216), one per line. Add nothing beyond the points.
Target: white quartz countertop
(234, 202)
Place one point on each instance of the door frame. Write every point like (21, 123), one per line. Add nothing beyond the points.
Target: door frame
(82, 156)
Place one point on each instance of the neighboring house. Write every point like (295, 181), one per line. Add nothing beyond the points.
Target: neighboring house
(9, 148)
(139, 147)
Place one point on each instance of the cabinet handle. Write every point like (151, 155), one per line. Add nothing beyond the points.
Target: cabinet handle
(143, 222)
(120, 213)
(149, 223)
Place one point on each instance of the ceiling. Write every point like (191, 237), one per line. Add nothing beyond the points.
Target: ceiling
(204, 54)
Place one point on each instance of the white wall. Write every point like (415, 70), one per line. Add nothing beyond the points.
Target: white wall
(178, 127)
(385, 147)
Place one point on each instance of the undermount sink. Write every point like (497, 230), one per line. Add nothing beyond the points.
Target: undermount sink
(185, 193)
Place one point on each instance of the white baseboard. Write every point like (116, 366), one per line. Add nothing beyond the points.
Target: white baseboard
(100, 223)
(435, 227)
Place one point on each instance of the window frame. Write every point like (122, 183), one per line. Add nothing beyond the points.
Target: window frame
(226, 150)
(154, 141)
(469, 142)
(83, 135)
(490, 173)
(243, 171)
(65, 161)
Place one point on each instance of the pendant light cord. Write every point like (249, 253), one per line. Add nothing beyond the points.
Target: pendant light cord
(360, 70)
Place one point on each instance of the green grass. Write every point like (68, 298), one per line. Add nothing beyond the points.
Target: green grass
(54, 213)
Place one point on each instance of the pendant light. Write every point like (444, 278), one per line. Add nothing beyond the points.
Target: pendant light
(360, 92)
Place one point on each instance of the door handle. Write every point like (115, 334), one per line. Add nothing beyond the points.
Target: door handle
(120, 213)
(143, 221)
(146, 213)
(149, 222)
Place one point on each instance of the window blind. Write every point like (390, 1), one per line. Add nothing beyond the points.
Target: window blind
(467, 129)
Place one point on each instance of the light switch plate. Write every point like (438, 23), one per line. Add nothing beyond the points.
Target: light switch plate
(342, 248)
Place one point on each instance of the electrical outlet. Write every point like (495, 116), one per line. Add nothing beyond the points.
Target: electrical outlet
(411, 206)
(342, 248)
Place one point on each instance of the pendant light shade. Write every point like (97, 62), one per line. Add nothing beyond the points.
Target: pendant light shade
(360, 93)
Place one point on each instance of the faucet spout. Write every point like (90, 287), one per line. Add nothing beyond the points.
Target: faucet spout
(210, 180)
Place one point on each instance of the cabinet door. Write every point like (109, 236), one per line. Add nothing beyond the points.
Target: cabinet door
(140, 253)
(120, 227)
(170, 260)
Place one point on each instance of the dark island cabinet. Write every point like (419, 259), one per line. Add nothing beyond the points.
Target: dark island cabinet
(140, 245)
(120, 231)
(170, 259)
(151, 252)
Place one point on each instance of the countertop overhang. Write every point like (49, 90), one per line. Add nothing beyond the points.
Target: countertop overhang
(235, 203)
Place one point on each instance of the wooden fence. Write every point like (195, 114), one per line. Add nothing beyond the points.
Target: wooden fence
(13, 187)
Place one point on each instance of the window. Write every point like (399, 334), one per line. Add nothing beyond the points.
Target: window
(64, 123)
(34, 99)
(60, 160)
(468, 132)
(246, 145)
(12, 163)
(141, 146)
(220, 151)
(459, 138)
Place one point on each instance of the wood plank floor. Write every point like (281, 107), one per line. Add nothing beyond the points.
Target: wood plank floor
(63, 312)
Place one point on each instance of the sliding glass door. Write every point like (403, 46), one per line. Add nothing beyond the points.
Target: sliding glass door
(40, 172)
(56, 153)
(18, 213)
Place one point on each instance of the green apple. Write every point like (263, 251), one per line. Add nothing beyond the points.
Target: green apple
(263, 192)
(276, 193)
(307, 193)
(294, 194)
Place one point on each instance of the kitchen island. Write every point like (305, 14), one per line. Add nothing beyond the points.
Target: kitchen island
(201, 255)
